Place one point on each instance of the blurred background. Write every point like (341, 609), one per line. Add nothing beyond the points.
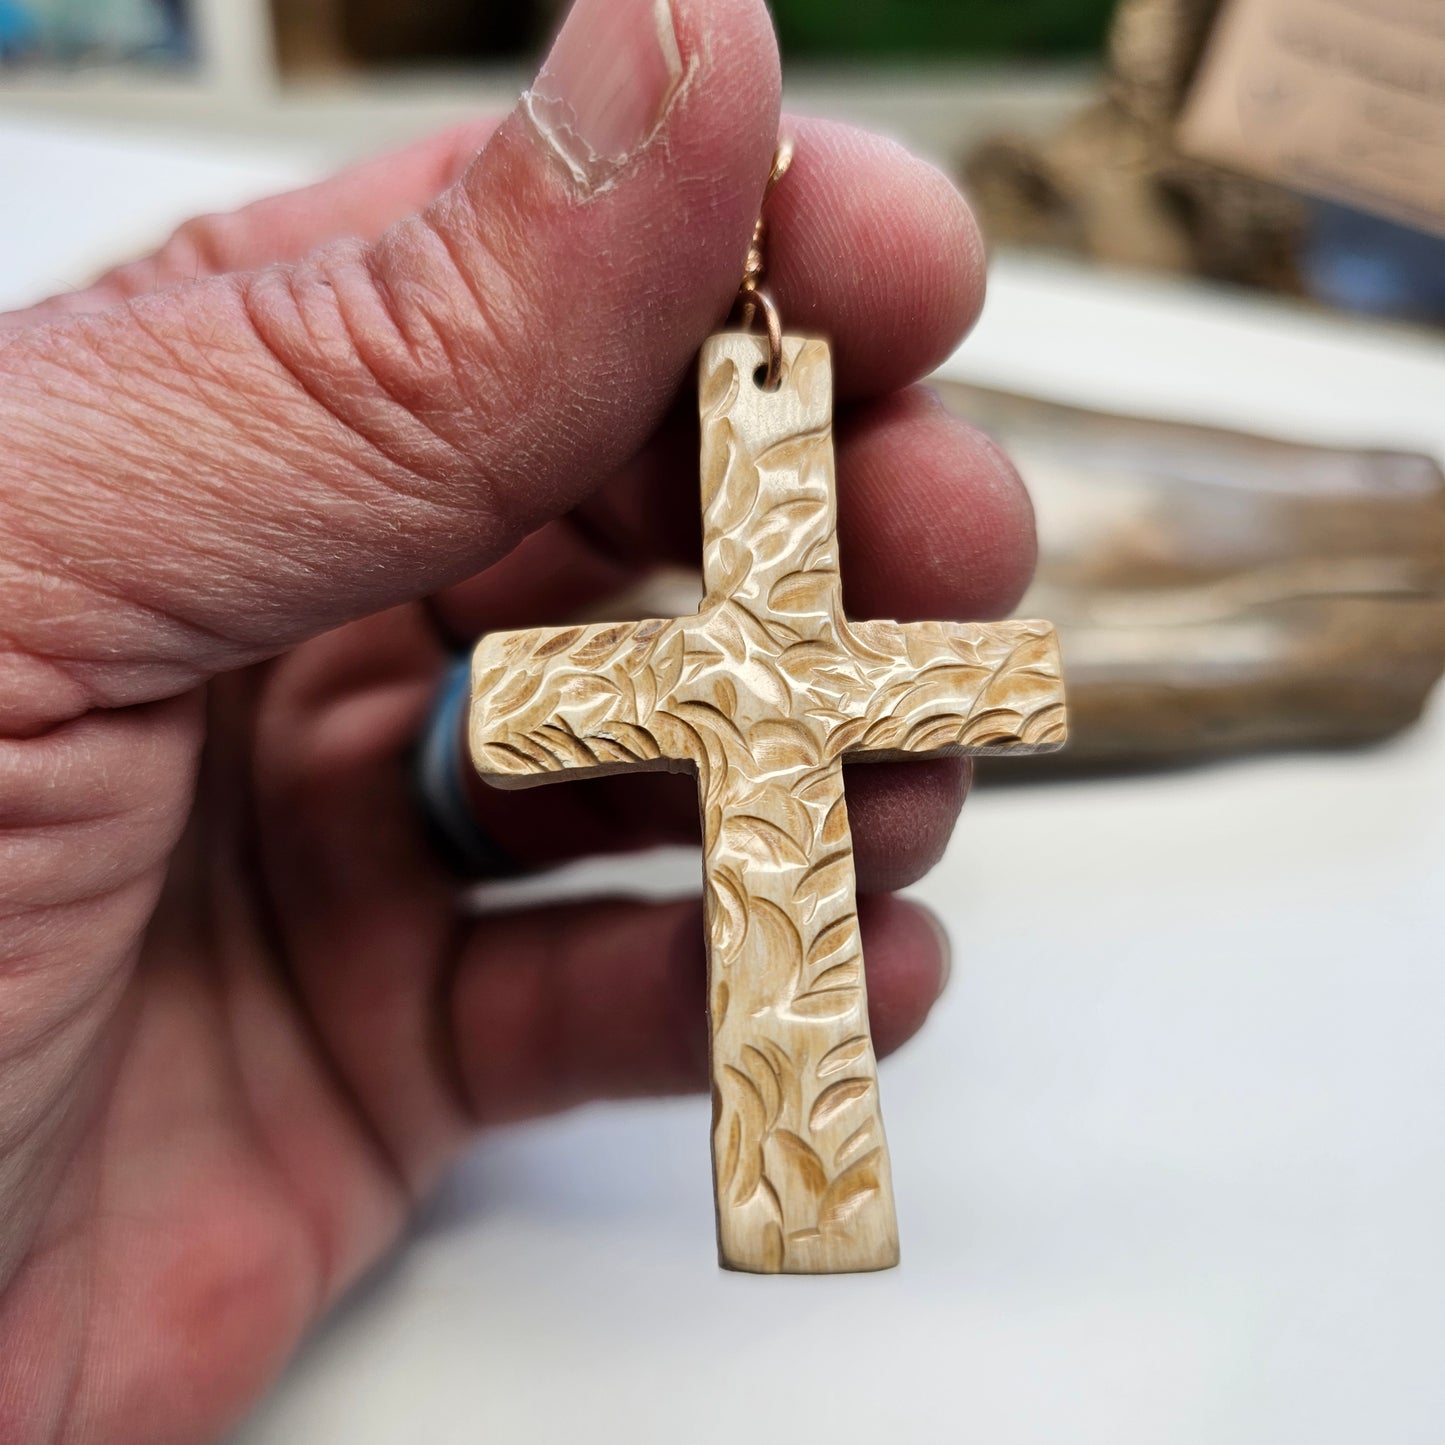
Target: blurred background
(998, 89)
(1170, 1157)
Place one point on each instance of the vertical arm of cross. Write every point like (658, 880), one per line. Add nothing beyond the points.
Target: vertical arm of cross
(801, 1163)
(770, 541)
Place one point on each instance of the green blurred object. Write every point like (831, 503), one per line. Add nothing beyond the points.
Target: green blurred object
(940, 29)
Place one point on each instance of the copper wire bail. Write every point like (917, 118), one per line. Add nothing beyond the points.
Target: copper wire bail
(751, 296)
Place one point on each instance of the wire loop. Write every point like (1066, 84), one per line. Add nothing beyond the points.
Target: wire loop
(751, 296)
(755, 299)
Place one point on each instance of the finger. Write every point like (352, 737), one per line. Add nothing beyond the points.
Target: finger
(207, 475)
(875, 249)
(934, 523)
(556, 574)
(915, 290)
(361, 201)
(901, 817)
(400, 993)
(554, 1007)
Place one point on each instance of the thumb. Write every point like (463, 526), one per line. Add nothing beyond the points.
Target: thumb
(202, 477)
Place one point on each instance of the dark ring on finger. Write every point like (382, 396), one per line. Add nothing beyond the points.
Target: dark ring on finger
(440, 771)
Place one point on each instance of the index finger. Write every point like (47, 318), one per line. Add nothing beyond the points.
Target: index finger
(875, 249)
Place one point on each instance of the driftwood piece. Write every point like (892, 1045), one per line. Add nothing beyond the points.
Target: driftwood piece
(1112, 184)
(1216, 592)
(762, 693)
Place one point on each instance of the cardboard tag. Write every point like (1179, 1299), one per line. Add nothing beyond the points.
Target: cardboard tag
(1340, 98)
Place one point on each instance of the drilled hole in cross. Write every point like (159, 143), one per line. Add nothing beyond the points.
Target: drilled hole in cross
(760, 378)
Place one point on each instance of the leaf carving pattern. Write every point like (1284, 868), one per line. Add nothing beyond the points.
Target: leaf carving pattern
(762, 694)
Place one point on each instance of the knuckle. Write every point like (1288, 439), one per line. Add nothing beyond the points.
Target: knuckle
(461, 300)
(202, 247)
(418, 344)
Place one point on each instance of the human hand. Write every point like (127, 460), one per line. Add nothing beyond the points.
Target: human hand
(255, 489)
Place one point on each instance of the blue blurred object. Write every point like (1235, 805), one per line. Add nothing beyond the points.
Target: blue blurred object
(176, 16)
(19, 30)
(1362, 262)
(78, 32)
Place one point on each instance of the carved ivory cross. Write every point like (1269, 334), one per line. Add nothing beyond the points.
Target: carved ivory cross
(763, 693)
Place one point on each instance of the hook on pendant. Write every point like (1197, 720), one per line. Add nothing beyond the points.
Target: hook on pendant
(752, 298)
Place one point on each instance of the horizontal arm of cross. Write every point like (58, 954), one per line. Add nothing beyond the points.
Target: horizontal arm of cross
(647, 695)
(580, 700)
(941, 688)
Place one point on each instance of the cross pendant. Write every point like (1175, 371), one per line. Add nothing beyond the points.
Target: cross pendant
(762, 694)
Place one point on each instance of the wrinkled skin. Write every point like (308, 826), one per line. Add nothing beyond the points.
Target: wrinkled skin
(252, 489)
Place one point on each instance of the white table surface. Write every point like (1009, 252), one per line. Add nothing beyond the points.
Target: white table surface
(1170, 1156)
